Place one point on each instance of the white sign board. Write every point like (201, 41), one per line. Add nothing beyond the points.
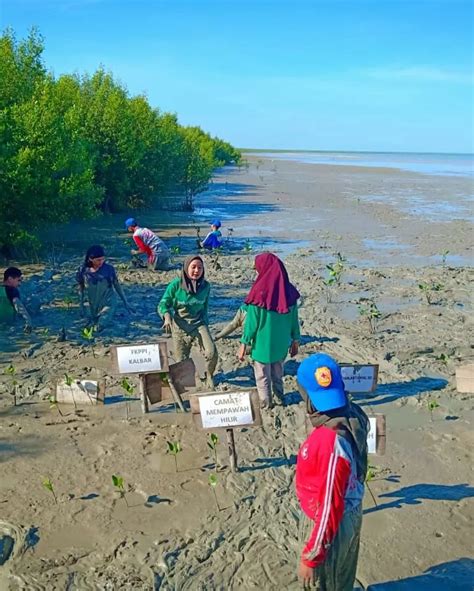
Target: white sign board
(80, 392)
(359, 378)
(372, 436)
(138, 358)
(225, 410)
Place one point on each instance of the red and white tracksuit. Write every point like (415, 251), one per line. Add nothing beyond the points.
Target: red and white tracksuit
(149, 243)
(326, 486)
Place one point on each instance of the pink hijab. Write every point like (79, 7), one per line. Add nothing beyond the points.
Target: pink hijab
(272, 289)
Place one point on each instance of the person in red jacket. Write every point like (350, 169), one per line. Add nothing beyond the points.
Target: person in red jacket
(330, 474)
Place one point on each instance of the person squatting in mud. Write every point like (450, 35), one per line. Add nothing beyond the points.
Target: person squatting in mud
(184, 310)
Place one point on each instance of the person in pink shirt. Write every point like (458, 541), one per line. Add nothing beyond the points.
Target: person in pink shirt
(330, 475)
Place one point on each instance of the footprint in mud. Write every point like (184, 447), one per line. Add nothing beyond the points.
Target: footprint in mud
(15, 540)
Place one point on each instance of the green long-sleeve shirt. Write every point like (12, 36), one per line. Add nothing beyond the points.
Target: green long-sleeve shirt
(189, 310)
(269, 333)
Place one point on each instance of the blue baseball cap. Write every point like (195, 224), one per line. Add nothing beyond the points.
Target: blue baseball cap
(130, 222)
(216, 223)
(321, 377)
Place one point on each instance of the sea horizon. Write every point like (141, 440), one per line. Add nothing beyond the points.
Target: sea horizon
(430, 163)
(304, 151)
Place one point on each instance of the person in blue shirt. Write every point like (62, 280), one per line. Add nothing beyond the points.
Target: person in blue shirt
(99, 282)
(214, 238)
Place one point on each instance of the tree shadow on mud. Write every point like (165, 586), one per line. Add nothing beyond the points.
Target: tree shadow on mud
(26, 445)
(417, 493)
(456, 575)
(392, 392)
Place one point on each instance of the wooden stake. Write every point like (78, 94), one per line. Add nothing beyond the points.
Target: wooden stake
(176, 396)
(143, 395)
(232, 451)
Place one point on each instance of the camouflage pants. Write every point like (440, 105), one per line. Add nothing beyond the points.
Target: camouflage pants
(183, 343)
(338, 571)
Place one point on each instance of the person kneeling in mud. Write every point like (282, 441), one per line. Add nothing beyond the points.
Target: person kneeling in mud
(100, 281)
(330, 474)
(157, 253)
(10, 299)
(184, 308)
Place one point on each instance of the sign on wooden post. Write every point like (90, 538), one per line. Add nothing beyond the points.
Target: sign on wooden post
(226, 410)
(360, 379)
(142, 358)
(377, 436)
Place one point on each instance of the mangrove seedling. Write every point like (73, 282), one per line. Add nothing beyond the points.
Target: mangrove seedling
(443, 357)
(371, 312)
(68, 301)
(213, 483)
(88, 335)
(120, 487)
(129, 391)
(432, 404)
(48, 485)
(69, 381)
(335, 273)
(11, 371)
(212, 442)
(371, 473)
(174, 447)
(427, 288)
(54, 404)
(215, 264)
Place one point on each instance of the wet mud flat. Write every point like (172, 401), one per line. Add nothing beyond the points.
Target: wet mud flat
(170, 531)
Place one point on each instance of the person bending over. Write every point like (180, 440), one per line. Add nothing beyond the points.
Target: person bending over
(148, 243)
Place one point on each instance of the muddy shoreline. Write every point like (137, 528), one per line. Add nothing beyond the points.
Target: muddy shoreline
(172, 535)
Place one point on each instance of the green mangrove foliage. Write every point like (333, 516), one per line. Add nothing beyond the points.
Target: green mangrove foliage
(75, 145)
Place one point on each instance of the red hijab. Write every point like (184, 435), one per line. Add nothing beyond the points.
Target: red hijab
(272, 289)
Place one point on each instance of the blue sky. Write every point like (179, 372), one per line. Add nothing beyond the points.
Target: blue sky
(321, 74)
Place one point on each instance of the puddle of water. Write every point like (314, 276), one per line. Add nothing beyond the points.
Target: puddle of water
(388, 243)
(347, 307)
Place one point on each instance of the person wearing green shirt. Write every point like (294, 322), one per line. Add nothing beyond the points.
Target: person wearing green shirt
(183, 308)
(271, 327)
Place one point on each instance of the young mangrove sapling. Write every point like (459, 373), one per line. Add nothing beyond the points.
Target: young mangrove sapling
(174, 447)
